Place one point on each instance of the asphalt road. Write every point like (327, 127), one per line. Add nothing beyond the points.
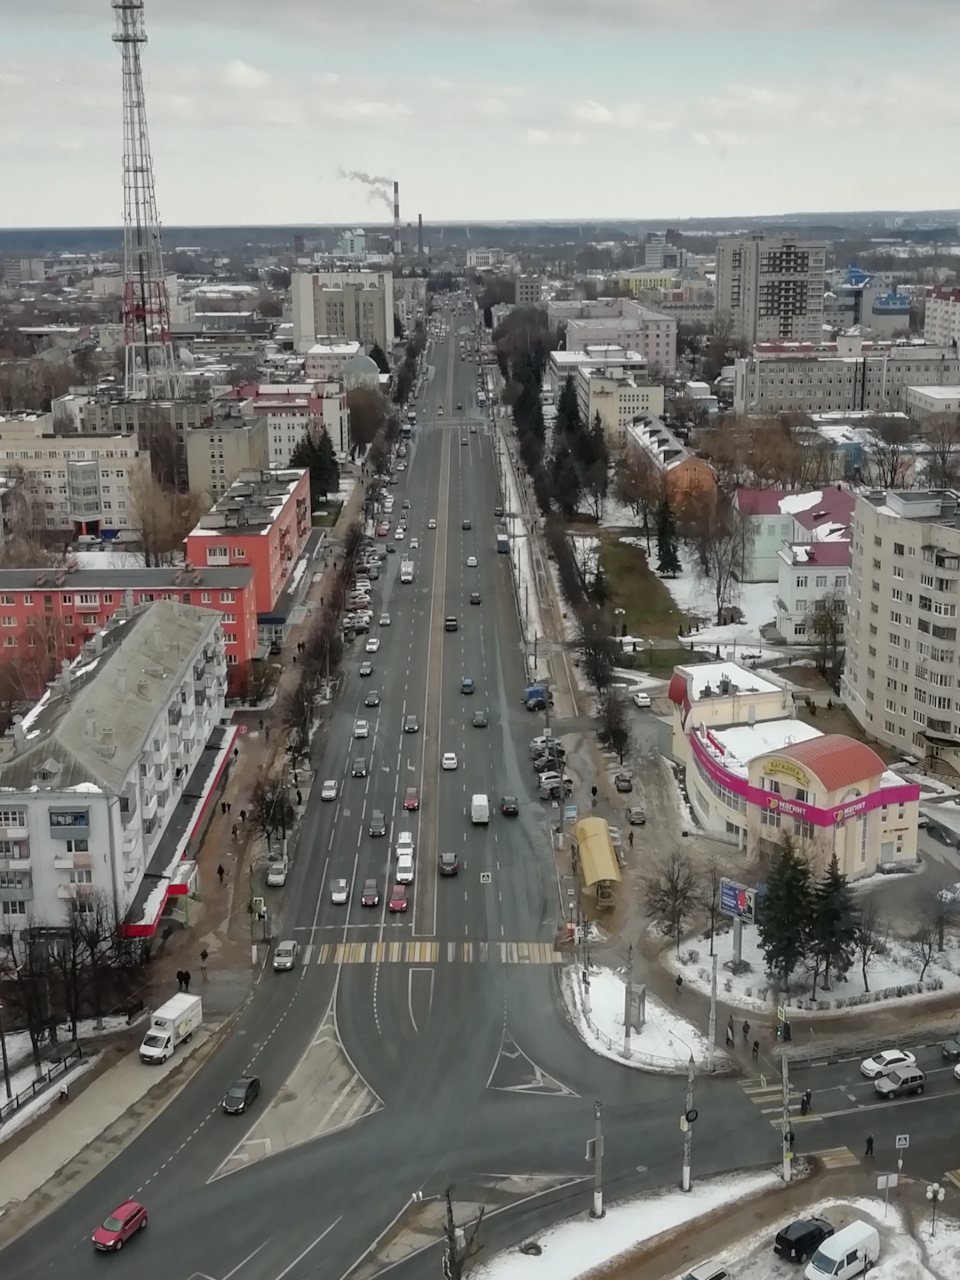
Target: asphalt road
(466, 1069)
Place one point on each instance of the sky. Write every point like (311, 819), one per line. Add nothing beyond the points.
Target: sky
(484, 109)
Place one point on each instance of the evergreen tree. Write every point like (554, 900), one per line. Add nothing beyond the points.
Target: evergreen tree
(833, 925)
(668, 557)
(566, 481)
(379, 358)
(784, 921)
(568, 410)
(488, 317)
(320, 460)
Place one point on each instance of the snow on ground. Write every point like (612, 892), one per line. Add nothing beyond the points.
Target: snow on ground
(108, 559)
(695, 596)
(586, 554)
(583, 1243)
(19, 1051)
(521, 560)
(617, 516)
(36, 1106)
(666, 1041)
(752, 990)
(687, 820)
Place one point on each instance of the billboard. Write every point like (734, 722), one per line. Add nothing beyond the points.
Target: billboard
(738, 901)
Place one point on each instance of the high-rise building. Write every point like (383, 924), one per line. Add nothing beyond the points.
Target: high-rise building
(529, 290)
(771, 288)
(941, 322)
(356, 305)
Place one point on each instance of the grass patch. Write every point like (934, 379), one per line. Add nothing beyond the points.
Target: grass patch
(649, 607)
(328, 517)
(660, 660)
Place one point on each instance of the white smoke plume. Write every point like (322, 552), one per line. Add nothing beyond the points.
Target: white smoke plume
(380, 188)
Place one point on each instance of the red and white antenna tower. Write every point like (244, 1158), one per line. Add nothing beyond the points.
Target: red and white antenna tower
(150, 369)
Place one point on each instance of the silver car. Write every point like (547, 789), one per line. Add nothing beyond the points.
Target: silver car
(339, 891)
(285, 956)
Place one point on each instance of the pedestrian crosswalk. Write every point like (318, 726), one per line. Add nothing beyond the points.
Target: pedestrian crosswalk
(835, 1157)
(431, 952)
(767, 1093)
(954, 1176)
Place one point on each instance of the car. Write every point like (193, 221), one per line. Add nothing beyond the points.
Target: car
(447, 864)
(467, 684)
(401, 533)
(125, 1221)
(636, 816)
(405, 505)
(382, 530)
(450, 624)
(404, 842)
(800, 1240)
(339, 891)
(708, 1271)
(277, 873)
(886, 1061)
(950, 1049)
(459, 406)
(449, 760)
(950, 894)
(370, 897)
(623, 781)
(372, 645)
(465, 524)
(391, 549)
(550, 777)
(498, 512)
(241, 1093)
(509, 806)
(372, 699)
(431, 523)
(642, 700)
(401, 466)
(411, 724)
(414, 544)
(385, 620)
(439, 410)
(405, 868)
(329, 789)
(475, 597)
(900, 1081)
(361, 729)
(555, 790)
(359, 769)
(398, 898)
(366, 668)
(463, 441)
(285, 956)
(411, 799)
(473, 429)
(480, 720)
(378, 823)
(472, 562)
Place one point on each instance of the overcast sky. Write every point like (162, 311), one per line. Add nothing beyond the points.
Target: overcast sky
(485, 109)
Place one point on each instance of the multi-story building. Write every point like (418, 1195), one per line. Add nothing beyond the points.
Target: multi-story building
(262, 522)
(529, 289)
(754, 775)
(291, 411)
(771, 288)
(352, 244)
(621, 322)
(811, 572)
(233, 442)
(650, 281)
(160, 426)
(619, 398)
(941, 321)
(325, 359)
(48, 615)
(686, 478)
(410, 299)
(101, 779)
(900, 675)
(774, 518)
(568, 364)
(356, 305)
(848, 375)
(483, 259)
(928, 402)
(79, 484)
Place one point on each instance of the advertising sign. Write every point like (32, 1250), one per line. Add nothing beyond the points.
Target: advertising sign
(737, 900)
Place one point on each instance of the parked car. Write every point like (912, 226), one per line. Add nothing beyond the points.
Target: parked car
(636, 816)
(277, 873)
(800, 1240)
(642, 700)
(623, 781)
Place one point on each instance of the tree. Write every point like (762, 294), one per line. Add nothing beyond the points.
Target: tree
(923, 944)
(569, 422)
(637, 485)
(379, 358)
(886, 455)
(833, 932)
(672, 894)
(784, 919)
(598, 649)
(614, 729)
(710, 894)
(566, 481)
(668, 555)
(296, 710)
(942, 437)
(940, 911)
(318, 457)
(270, 808)
(720, 536)
(871, 937)
(488, 317)
(368, 414)
(825, 625)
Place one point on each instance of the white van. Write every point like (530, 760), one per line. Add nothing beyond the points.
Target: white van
(848, 1253)
(479, 810)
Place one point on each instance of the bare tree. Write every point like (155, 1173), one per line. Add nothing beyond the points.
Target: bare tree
(26, 984)
(720, 536)
(672, 893)
(638, 484)
(871, 937)
(940, 912)
(710, 894)
(368, 414)
(69, 962)
(614, 729)
(922, 945)
(942, 438)
(162, 517)
(270, 808)
(296, 711)
(825, 625)
(598, 649)
(886, 456)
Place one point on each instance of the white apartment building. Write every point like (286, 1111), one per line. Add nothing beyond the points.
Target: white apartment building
(772, 287)
(774, 518)
(809, 572)
(483, 259)
(621, 322)
(564, 364)
(927, 402)
(354, 305)
(850, 375)
(95, 778)
(218, 452)
(77, 483)
(900, 679)
(410, 299)
(352, 244)
(292, 411)
(326, 358)
(941, 322)
(619, 398)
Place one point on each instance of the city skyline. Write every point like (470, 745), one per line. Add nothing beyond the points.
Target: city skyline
(515, 110)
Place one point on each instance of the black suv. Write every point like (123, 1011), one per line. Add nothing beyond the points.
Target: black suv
(447, 864)
(801, 1239)
(240, 1094)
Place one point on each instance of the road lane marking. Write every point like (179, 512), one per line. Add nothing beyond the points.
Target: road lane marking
(286, 1271)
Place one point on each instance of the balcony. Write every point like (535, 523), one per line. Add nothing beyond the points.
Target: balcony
(174, 716)
(71, 892)
(63, 863)
(148, 806)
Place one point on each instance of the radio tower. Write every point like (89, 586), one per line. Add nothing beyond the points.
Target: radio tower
(149, 365)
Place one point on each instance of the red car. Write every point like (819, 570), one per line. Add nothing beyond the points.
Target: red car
(411, 798)
(383, 530)
(126, 1220)
(398, 898)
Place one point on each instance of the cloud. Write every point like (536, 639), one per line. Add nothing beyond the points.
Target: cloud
(240, 75)
(550, 138)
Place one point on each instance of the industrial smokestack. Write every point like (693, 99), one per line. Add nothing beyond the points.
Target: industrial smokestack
(420, 235)
(396, 222)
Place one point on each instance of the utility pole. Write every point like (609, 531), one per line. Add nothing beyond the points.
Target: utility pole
(628, 1004)
(458, 1244)
(3, 1053)
(712, 1024)
(598, 1210)
(785, 1123)
(686, 1124)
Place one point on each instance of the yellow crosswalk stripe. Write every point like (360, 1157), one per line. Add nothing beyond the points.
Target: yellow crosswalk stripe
(423, 951)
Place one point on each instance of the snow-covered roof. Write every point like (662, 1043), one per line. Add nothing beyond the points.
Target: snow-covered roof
(744, 742)
(707, 679)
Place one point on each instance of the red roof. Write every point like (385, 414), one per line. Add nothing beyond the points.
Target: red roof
(837, 760)
(830, 555)
(678, 690)
(760, 502)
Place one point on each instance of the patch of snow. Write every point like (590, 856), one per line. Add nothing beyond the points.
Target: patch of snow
(36, 1106)
(687, 821)
(792, 504)
(110, 559)
(617, 515)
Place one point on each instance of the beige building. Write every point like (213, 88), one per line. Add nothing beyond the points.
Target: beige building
(326, 358)
(621, 322)
(772, 288)
(231, 443)
(148, 421)
(354, 305)
(900, 679)
(74, 483)
(941, 320)
(619, 398)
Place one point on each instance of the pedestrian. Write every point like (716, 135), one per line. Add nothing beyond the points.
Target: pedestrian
(243, 815)
(808, 1099)
(746, 1032)
(868, 1153)
(630, 839)
(791, 1140)
(267, 733)
(186, 979)
(261, 724)
(233, 831)
(203, 960)
(679, 981)
(229, 806)
(179, 979)
(804, 1105)
(220, 872)
(299, 797)
(756, 1050)
(223, 806)
(730, 1036)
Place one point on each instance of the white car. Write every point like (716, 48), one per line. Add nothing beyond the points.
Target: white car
(339, 892)
(401, 466)
(372, 645)
(883, 1062)
(449, 760)
(405, 843)
(385, 620)
(277, 873)
(400, 534)
(950, 894)
(414, 544)
(472, 562)
(405, 869)
(361, 729)
(642, 700)
(329, 789)
(431, 523)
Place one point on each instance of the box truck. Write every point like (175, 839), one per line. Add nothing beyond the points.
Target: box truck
(172, 1024)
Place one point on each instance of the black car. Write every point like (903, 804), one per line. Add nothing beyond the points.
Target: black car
(411, 725)
(359, 769)
(465, 524)
(447, 864)
(509, 806)
(378, 823)
(240, 1094)
(951, 1049)
(370, 897)
(474, 597)
(801, 1239)
(372, 699)
(480, 720)
(467, 684)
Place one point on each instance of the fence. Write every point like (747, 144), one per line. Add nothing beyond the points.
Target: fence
(47, 1077)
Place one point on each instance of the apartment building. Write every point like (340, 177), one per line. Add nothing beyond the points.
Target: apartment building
(621, 322)
(941, 321)
(529, 289)
(410, 299)
(771, 287)
(77, 484)
(325, 360)
(900, 676)
(775, 517)
(233, 442)
(48, 615)
(850, 375)
(619, 398)
(161, 423)
(104, 780)
(483, 259)
(567, 364)
(354, 305)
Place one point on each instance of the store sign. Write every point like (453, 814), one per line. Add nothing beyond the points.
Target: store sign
(789, 768)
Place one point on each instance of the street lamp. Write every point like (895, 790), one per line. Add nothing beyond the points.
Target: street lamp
(935, 1194)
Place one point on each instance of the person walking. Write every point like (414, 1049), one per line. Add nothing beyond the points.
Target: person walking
(791, 1141)
(179, 979)
(186, 979)
(233, 831)
(223, 806)
(229, 806)
(220, 872)
(868, 1153)
(630, 839)
(746, 1032)
(203, 960)
(299, 797)
(756, 1050)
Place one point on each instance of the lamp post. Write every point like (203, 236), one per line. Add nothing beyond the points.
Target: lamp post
(935, 1194)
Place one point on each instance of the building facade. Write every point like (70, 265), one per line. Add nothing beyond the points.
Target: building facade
(686, 478)
(900, 679)
(619, 398)
(941, 321)
(95, 779)
(354, 305)
(325, 359)
(233, 442)
(529, 289)
(774, 518)
(771, 287)
(621, 322)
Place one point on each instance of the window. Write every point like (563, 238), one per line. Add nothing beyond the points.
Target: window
(13, 817)
(81, 875)
(7, 599)
(13, 908)
(770, 817)
(803, 829)
(9, 642)
(69, 818)
(898, 548)
(226, 597)
(9, 621)
(821, 580)
(802, 580)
